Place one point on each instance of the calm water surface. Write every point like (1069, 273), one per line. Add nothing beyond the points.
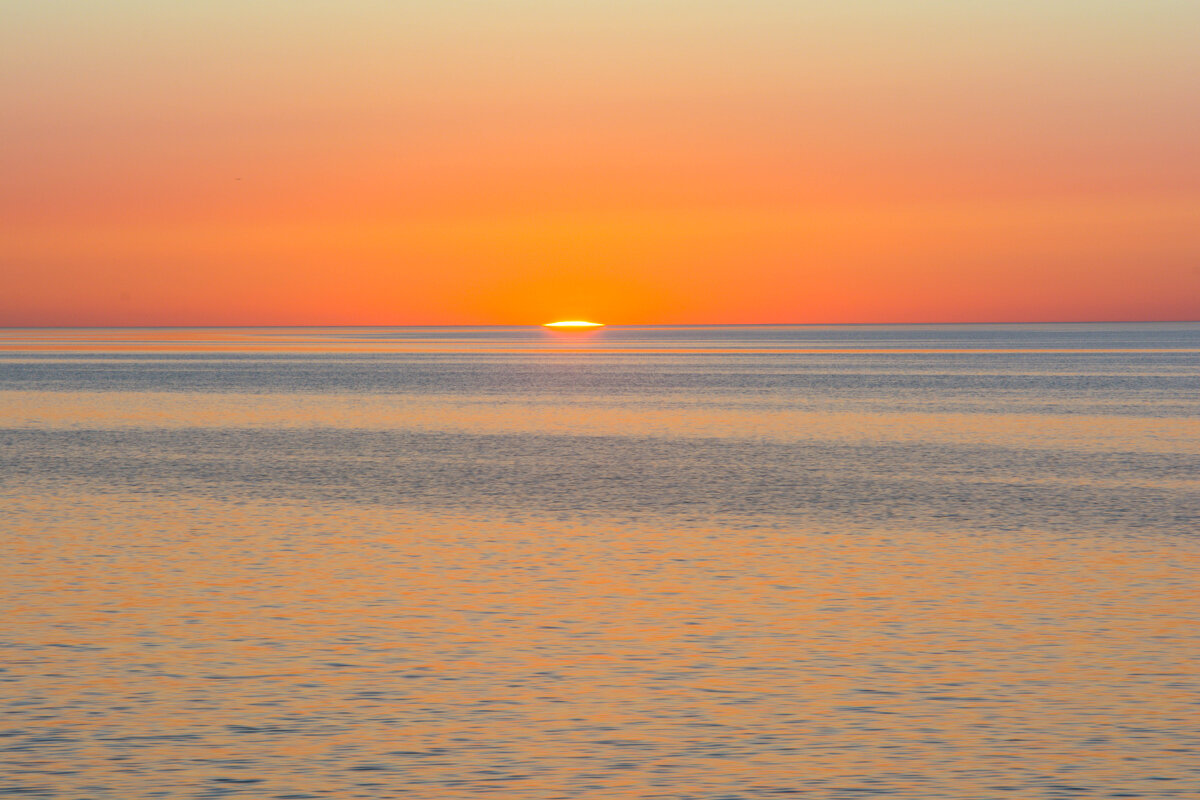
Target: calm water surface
(697, 563)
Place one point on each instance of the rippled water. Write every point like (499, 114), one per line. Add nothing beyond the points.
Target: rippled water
(733, 562)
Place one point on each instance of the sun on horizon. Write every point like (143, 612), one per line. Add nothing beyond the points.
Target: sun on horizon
(573, 323)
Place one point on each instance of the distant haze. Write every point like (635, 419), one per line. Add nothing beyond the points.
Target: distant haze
(520, 162)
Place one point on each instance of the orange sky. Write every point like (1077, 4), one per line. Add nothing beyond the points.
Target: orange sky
(516, 162)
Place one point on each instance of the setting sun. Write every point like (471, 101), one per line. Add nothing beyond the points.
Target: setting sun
(574, 323)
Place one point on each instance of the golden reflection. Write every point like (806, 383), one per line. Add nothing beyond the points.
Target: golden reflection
(217, 590)
(271, 635)
(651, 416)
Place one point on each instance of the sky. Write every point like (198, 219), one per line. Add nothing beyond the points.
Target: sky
(520, 161)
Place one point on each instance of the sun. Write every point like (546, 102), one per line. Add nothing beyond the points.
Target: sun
(574, 323)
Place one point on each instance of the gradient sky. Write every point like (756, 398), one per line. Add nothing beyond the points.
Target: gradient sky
(360, 162)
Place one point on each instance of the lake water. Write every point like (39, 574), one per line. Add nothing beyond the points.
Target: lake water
(696, 563)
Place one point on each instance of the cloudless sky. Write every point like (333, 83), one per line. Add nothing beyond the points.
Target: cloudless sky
(363, 162)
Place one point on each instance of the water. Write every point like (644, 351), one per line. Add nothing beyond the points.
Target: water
(730, 562)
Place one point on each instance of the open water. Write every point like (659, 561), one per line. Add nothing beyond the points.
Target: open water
(697, 563)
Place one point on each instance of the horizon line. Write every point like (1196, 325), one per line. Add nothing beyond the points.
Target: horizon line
(609, 325)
